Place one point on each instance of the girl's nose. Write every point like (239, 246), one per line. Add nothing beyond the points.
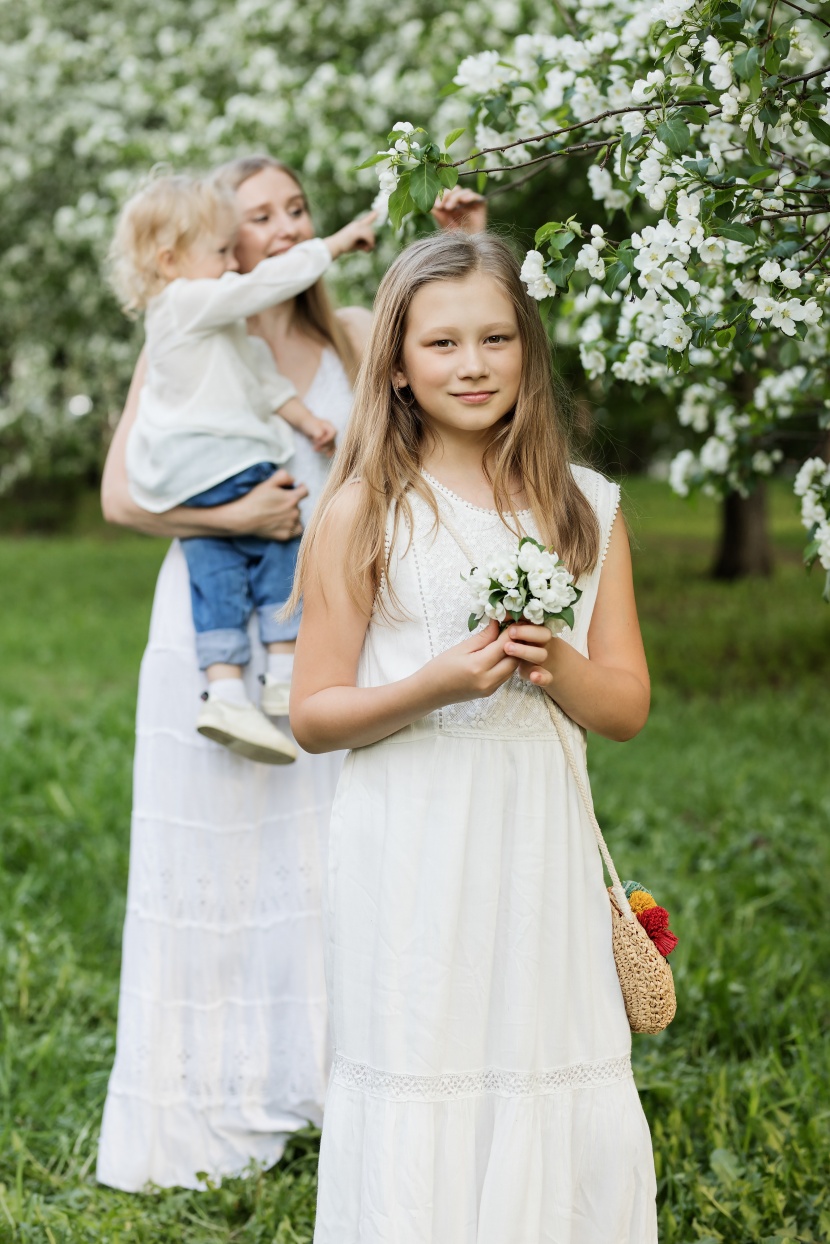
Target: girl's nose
(472, 363)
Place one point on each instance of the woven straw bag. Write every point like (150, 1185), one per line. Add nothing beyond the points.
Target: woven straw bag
(646, 979)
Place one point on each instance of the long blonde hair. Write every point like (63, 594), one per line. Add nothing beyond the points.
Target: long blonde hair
(384, 441)
(312, 308)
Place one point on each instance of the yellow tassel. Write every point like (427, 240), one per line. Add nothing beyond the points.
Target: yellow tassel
(640, 901)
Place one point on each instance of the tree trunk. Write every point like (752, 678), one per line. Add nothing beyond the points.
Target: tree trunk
(745, 549)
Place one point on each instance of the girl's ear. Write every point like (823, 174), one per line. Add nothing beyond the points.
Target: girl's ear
(399, 380)
(166, 263)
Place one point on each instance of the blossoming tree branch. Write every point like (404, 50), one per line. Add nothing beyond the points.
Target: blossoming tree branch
(714, 117)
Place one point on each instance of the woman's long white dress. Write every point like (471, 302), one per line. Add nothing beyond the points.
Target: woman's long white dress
(222, 1045)
(481, 1088)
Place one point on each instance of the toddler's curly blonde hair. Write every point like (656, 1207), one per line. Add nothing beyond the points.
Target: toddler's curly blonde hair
(167, 213)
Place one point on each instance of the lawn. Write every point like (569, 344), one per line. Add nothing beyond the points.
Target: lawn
(722, 806)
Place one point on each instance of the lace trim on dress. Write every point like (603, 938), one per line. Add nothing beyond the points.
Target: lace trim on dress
(400, 1087)
(616, 506)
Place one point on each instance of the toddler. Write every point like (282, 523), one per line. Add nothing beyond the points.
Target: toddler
(207, 429)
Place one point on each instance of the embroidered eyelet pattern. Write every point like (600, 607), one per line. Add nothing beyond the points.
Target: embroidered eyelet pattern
(394, 1086)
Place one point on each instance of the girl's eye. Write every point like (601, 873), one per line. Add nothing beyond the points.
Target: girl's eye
(444, 341)
(260, 220)
(497, 337)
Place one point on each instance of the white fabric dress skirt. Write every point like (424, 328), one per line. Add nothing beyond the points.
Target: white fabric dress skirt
(481, 1088)
(222, 1044)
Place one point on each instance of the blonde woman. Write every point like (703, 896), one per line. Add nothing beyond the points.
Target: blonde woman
(222, 1047)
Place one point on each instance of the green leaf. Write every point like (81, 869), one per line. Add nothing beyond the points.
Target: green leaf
(472, 622)
(568, 615)
(401, 202)
(746, 8)
(729, 21)
(731, 229)
(499, 111)
(825, 595)
(772, 61)
(820, 130)
(696, 116)
(375, 159)
(546, 231)
(559, 272)
(788, 354)
(760, 176)
(769, 114)
(725, 337)
(447, 176)
(453, 136)
(682, 296)
(616, 274)
(561, 241)
(481, 183)
(452, 88)
(424, 186)
(745, 63)
(782, 46)
(675, 134)
(752, 147)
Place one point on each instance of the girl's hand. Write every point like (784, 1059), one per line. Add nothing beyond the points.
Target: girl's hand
(358, 235)
(272, 509)
(461, 209)
(472, 669)
(531, 646)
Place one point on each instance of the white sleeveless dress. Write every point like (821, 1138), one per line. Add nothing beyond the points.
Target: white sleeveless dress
(222, 1044)
(481, 1088)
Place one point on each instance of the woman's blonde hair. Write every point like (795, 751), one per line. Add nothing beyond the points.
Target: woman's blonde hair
(312, 308)
(167, 213)
(384, 443)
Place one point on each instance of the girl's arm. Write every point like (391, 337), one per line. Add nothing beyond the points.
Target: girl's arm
(328, 710)
(269, 510)
(608, 693)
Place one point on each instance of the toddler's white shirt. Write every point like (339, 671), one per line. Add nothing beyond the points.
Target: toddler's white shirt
(206, 409)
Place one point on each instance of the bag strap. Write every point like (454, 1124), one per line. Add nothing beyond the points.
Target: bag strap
(559, 719)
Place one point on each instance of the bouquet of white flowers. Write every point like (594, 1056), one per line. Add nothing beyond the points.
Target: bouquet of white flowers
(530, 585)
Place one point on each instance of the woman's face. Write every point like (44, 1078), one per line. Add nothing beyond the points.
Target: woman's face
(462, 355)
(274, 217)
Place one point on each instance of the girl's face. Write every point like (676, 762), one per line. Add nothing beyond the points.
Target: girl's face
(462, 354)
(274, 217)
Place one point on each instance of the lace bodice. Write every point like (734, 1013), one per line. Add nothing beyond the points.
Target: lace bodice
(426, 574)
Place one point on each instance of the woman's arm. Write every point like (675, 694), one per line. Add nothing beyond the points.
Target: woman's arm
(270, 510)
(608, 692)
(328, 711)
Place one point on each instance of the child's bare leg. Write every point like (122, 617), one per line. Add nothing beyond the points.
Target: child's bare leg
(220, 670)
(284, 645)
(277, 679)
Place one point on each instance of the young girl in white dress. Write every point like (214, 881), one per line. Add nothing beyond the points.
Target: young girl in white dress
(481, 1088)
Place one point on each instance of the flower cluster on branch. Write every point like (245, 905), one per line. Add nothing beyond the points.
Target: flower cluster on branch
(710, 120)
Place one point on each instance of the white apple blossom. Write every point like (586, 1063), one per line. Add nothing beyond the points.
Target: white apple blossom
(539, 285)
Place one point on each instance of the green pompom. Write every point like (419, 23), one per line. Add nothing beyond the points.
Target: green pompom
(631, 886)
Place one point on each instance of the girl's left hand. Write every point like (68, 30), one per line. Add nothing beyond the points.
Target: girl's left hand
(531, 646)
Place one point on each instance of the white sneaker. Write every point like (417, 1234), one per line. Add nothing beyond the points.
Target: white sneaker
(274, 698)
(245, 730)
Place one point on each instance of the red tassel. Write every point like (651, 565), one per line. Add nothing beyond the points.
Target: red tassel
(655, 921)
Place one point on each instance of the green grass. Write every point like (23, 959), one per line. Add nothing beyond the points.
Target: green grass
(722, 806)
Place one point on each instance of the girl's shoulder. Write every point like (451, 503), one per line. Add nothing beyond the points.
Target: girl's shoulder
(598, 490)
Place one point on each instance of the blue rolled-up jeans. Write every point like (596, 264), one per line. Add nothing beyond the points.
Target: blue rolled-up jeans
(230, 576)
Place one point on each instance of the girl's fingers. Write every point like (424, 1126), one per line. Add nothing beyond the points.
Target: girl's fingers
(526, 652)
(535, 674)
(527, 633)
(482, 639)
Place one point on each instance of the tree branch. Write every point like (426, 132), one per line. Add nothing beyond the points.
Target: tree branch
(549, 155)
(814, 17)
(577, 125)
(799, 211)
(803, 77)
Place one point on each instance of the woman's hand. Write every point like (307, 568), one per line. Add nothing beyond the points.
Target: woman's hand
(471, 670)
(461, 209)
(271, 509)
(358, 235)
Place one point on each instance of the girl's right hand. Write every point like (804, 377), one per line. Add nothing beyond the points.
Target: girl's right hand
(358, 235)
(473, 669)
(272, 509)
